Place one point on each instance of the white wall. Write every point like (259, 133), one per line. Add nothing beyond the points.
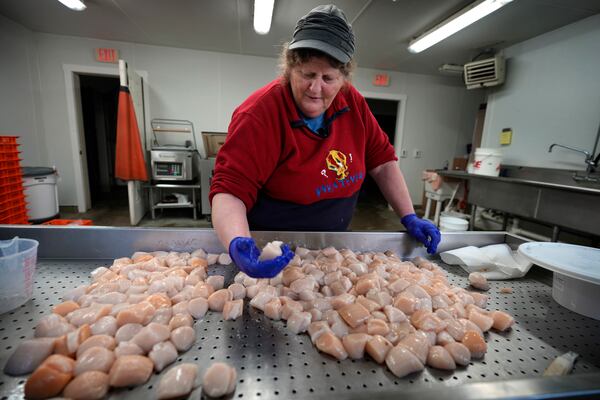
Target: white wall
(552, 95)
(19, 100)
(205, 87)
(439, 121)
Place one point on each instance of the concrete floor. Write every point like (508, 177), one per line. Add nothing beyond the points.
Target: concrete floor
(370, 215)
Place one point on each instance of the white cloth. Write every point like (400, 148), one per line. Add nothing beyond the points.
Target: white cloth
(495, 262)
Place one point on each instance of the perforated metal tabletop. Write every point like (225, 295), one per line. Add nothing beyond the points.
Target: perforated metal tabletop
(273, 363)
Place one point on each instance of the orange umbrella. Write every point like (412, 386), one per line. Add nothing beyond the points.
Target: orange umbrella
(129, 163)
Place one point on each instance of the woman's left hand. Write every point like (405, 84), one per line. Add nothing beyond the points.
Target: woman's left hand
(422, 230)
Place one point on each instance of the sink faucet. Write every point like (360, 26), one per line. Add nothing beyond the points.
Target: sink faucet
(589, 158)
(592, 163)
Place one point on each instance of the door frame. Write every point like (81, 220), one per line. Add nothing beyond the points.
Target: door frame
(75, 121)
(400, 114)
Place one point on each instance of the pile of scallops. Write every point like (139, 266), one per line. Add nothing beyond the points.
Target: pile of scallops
(137, 316)
(401, 313)
(134, 318)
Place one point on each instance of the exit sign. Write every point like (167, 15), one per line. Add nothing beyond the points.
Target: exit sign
(107, 55)
(381, 80)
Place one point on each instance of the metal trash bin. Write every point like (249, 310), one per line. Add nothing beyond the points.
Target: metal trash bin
(41, 193)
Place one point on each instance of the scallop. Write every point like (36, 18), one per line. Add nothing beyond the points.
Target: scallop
(355, 343)
(178, 381)
(183, 338)
(440, 358)
(378, 347)
(233, 309)
(163, 354)
(94, 359)
(197, 307)
(475, 343)
(219, 380)
(50, 378)
(298, 322)
(91, 385)
(478, 281)
(179, 320)
(216, 281)
(128, 348)
(217, 300)
(459, 352)
(105, 341)
(354, 314)
(271, 250)
(418, 344)
(402, 361)
(330, 344)
(130, 370)
(28, 356)
(127, 332)
(502, 320)
(105, 326)
(150, 335)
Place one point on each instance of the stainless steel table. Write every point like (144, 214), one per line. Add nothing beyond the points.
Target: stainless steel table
(158, 187)
(274, 364)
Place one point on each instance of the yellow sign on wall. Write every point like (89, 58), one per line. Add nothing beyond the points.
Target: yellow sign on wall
(506, 136)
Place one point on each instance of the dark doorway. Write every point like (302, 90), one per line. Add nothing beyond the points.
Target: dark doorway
(99, 102)
(386, 114)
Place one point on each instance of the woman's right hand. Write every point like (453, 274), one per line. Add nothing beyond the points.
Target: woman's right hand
(244, 253)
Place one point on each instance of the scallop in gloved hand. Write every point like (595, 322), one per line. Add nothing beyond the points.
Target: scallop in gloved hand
(219, 380)
(271, 250)
(178, 381)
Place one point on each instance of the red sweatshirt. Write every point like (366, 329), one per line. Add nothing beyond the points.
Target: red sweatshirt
(289, 177)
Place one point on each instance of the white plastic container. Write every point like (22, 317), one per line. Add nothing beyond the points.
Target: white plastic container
(486, 162)
(453, 224)
(41, 193)
(18, 258)
(576, 295)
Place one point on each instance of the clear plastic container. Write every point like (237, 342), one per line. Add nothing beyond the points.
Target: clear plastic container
(18, 258)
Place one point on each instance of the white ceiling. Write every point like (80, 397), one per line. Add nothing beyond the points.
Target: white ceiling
(383, 28)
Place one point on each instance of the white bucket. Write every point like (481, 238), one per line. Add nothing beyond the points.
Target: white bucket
(487, 162)
(453, 224)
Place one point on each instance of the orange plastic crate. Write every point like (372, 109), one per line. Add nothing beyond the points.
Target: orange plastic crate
(10, 172)
(9, 155)
(11, 180)
(9, 191)
(8, 139)
(69, 222)
(10, 164)
(18, 219)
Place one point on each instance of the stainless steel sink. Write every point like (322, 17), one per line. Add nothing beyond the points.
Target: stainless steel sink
(567, 179)
(560, 198)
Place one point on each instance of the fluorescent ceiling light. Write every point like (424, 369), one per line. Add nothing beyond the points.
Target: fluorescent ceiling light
(263, 12)
(455, 23)
(76, 5)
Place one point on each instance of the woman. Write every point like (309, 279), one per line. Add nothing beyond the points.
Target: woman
(298, 150)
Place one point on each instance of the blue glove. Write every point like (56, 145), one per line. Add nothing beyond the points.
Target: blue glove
(244, 253)
(422, 230)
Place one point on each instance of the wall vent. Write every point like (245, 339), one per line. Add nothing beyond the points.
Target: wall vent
(485, 73)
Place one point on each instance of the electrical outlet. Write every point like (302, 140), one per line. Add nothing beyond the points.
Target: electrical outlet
(418, 153)
(403, 153)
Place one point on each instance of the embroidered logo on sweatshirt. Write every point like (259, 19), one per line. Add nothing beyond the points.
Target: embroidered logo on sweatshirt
(336, 161)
